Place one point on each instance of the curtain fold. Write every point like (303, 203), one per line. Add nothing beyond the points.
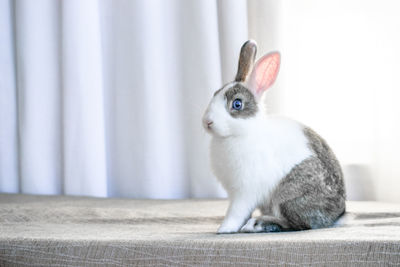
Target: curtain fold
(83, 126)
(38, 89)
(9, 173)
(201, 73)
(143, 99)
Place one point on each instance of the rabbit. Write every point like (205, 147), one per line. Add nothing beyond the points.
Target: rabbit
(275, 164)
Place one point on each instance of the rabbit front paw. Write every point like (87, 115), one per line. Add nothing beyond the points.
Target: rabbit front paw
(228, 228)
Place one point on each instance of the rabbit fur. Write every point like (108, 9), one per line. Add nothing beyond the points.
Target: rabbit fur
(268, 162)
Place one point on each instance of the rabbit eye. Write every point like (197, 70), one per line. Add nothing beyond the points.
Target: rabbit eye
(237, 104)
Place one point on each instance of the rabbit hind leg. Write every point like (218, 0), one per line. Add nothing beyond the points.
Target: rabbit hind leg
(265, 223)
(312, 213)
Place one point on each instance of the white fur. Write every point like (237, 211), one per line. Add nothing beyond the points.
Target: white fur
(250, 156)
(252, 227)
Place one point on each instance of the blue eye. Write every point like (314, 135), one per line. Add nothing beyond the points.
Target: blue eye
(237, 104)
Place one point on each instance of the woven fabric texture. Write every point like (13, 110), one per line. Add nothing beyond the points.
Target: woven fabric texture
(79, 231)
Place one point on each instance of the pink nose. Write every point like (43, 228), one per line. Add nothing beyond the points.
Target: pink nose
(209, 123)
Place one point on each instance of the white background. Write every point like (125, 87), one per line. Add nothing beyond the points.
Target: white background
(104, 98)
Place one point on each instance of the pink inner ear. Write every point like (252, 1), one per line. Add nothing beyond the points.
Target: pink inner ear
(266, 72)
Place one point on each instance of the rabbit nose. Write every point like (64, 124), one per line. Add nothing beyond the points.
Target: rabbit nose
(207, 123)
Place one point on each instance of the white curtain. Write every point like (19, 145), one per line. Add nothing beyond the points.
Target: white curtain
(105, 97)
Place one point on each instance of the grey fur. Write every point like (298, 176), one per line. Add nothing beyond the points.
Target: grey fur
(312, 195)
(238, 91)
(246, 60)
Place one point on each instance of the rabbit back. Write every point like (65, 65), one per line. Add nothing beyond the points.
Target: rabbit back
(312, 194)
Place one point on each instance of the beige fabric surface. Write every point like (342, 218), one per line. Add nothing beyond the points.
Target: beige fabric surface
(78, 231)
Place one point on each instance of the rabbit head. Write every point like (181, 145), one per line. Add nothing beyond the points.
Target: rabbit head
(235, 108)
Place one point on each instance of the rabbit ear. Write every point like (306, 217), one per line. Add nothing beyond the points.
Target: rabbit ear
(246, 60)
(264, 73)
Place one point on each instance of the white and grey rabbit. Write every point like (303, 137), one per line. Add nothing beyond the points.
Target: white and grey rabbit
(275, 164)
